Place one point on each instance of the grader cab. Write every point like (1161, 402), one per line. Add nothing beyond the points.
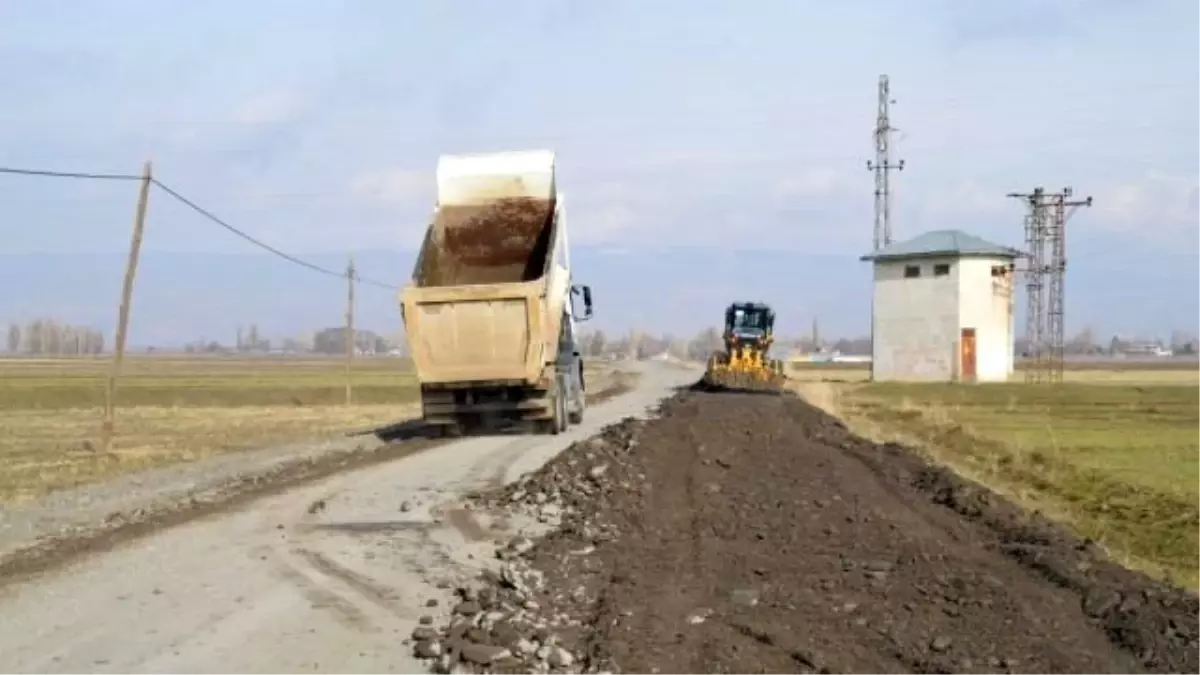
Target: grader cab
(744, 364)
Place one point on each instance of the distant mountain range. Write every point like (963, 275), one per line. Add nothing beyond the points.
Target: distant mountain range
(181, 297)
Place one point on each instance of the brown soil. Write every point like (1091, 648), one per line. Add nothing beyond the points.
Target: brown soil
(743, 533)
(500, 242)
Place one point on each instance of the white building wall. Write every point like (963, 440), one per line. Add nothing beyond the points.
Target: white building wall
(915, 322)
(986, 304)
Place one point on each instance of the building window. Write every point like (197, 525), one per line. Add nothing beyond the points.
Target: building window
(912, 271)
(941, 270)
(1001, 270)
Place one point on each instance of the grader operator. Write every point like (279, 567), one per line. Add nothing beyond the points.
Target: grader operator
(744, 364)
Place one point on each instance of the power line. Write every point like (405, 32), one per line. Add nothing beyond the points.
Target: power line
(198, 209)
(263, 245)
(258, 242)
(70, 174)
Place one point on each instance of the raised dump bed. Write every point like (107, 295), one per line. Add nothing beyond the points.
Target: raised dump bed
(488, 311)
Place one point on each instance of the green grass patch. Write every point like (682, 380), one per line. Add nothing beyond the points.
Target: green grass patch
(1118, 463)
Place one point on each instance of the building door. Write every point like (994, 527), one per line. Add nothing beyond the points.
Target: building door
(967, 355)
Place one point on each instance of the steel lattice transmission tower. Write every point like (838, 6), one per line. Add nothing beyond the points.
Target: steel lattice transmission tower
(882, 166)
(1045, 275)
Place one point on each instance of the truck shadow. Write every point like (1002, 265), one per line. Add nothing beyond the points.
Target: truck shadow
(406, 430)
(395, 432)
(410, 429)
(402, 431)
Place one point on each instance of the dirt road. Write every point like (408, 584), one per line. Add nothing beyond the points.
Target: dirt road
(755, 534)
(330, 576)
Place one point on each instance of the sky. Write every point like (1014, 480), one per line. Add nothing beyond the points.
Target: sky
(708, 151)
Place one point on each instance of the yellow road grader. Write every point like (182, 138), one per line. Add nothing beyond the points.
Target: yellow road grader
(744, 365)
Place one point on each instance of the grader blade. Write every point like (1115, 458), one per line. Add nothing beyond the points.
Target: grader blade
(759, 379)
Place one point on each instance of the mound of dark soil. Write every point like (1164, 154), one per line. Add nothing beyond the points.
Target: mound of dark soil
(756, 534)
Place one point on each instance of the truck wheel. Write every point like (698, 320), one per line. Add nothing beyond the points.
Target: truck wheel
(561, 417)
(552, 426)
(556, 423)
(576, 416)
(453, 430)
(546, 427)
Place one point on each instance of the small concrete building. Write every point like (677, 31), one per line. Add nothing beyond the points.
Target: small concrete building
(942, 309)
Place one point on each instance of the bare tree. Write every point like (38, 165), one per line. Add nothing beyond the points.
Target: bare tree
(14, 338)
(94, 342)
(34, 341)
(1183, 342)
(1083, 343)
(635, 344)
(68, 342)
(705, 343)
(53, 337)
(47, 337)
(597, 343)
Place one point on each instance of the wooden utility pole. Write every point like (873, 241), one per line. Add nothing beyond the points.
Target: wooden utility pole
(350, 279)
(135, 249)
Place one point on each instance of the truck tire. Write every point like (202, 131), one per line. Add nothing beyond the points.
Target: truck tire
(576, 416)
(454, 430)
(561, 417)
(554, 402)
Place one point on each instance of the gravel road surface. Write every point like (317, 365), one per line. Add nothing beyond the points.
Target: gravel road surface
(747, 533)
(328, 576)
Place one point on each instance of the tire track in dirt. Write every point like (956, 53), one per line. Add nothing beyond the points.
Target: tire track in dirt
(378, 594)
(318, 594)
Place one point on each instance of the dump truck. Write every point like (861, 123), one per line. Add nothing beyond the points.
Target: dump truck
(744, 364)
(491, 310)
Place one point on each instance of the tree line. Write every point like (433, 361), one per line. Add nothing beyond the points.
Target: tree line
(328, 341)
(640, 344)
(47, 337)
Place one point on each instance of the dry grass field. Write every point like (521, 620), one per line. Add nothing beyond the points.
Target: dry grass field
(178, 409)
(1111, 452)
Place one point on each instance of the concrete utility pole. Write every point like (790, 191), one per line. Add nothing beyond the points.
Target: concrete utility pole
(882, 166)
(1045, 277)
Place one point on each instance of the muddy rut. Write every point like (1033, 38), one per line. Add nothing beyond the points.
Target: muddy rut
(756, 534)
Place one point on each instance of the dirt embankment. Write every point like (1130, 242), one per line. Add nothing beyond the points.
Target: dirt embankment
(756, 534)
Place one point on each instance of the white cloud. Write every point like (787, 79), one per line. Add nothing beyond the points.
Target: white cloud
(269, 107)
(601, 211)
(966, 199)
(606, 222)
(813, 182)
(1157, 201)
(395, 185)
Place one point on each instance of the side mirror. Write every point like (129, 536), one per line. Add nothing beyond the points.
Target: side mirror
(586, 292)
